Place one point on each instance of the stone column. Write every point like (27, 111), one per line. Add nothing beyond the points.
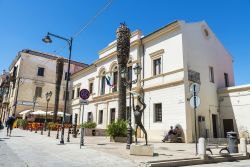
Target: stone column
(243, 146)
(202, 148)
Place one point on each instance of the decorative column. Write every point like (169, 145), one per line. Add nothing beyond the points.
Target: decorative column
(123, 48)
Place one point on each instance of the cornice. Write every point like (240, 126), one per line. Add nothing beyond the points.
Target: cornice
(110, 56)
(132, 44)
(163, 74)
(234, 89)
(79, 73)
(170, 84)
(168, 29)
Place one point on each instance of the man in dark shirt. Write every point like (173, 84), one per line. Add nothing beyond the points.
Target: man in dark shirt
(169, 134)
(9, 124)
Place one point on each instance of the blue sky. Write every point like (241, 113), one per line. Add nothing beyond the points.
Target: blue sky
(23, 23)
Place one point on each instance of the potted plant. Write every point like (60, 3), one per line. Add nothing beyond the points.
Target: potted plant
(22, 123)
(89, 128)
(117, 131)
(52, 126)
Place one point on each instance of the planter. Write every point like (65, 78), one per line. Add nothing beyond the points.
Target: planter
(118, 139)
(94, 132)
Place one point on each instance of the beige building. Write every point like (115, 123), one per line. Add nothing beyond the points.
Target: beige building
(33, 74)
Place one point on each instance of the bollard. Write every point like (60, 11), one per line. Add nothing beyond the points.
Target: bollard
(82, 138)
(42, 130)
(68, 138)
(202, 148)
(243, 146)
(74, 127)
(49, 132)
(35, 129)
(57, 134)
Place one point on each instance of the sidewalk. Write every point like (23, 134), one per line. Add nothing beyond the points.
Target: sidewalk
(39, 150)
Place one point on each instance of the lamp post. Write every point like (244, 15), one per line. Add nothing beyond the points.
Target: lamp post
(47, 39)
(34, 103)
(48, 96)
(128, 82)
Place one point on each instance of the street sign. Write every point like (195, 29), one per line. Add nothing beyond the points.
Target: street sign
(84, 102)
(195, 101)
(84, 94)
(195, 87)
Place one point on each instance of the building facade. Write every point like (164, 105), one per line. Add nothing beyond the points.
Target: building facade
(234, 104)
(171, 58)
(4, 93)
(32, 74)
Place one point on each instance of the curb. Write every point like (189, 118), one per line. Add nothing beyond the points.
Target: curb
(195, 160)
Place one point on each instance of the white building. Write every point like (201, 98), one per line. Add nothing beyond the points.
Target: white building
(172, 58)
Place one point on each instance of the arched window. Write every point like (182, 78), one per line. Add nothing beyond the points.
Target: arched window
(129, 66)
(102, 83)
(114, 78)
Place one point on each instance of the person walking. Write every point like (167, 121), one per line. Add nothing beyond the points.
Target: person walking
(9, 124)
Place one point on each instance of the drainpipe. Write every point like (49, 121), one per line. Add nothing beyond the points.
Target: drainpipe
(18, 82)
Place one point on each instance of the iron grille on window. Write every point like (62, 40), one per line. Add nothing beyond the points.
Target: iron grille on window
(158, 112)
(78, 92)
(157, 66)
(40, 71)
(73, 94)
(100, 120)
(91, 84)
(38, 92)
(103, 85)
(115, 75)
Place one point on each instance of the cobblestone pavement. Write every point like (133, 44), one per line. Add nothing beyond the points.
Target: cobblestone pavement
(32, 149)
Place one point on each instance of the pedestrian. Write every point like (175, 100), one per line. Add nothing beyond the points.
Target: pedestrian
(9, 124)
(169, 134)
(1, 125)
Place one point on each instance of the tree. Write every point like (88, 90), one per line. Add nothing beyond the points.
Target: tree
(59, 74)
(123, 48)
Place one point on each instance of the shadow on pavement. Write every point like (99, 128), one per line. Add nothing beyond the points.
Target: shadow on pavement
(17, 136)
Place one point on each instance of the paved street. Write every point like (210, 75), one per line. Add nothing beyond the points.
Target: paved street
(31, 149)
(245, 163)
(39, 151)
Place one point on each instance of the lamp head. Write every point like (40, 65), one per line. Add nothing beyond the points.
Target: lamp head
(123, 73)
(48, 95)
(47, 39)
(137, 69)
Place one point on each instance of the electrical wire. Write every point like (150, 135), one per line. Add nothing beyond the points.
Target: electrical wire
(89, 22)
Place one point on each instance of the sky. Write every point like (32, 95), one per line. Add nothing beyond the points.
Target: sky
(23, 23)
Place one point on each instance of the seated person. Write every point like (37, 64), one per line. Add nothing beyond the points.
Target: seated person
(169, 134)
(177, 138)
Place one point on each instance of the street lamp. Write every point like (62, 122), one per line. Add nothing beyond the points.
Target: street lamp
(48, 96)
(47, 39)
(34, 102)
(128, 83)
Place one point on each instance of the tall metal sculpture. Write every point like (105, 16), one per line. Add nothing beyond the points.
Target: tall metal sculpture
(138, 115)
(123, 48)
(59, 74)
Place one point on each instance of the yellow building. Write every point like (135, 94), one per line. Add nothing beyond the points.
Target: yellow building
(33, 74)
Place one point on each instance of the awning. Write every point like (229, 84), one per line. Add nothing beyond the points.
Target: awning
(40, 112)
(25, 112)
(59, 113)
